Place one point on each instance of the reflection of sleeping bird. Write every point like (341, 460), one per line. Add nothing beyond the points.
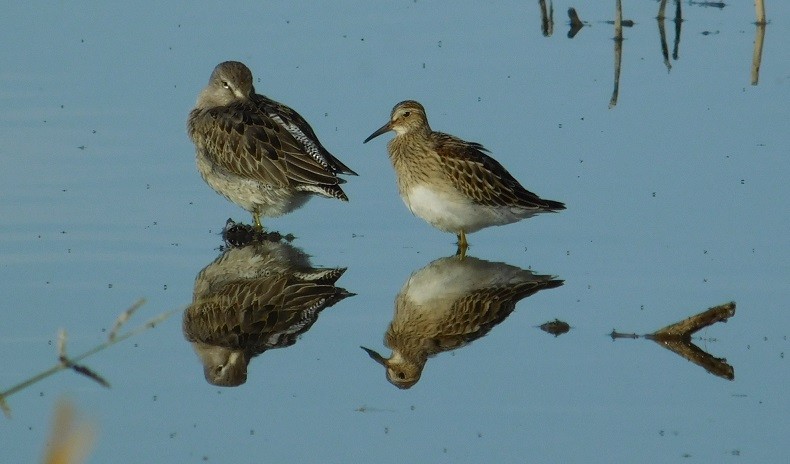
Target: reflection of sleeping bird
(253, 299)
(448, 304)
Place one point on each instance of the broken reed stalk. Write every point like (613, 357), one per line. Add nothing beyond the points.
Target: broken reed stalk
(71, 363)
(759, 9)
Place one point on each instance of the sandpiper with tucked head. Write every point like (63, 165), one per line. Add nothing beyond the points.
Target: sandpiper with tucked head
(258, 153)
(452, 183)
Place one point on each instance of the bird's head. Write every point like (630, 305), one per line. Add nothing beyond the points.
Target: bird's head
(229, 82)
(407, 116)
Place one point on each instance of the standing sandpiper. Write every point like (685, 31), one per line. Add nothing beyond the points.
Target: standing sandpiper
(452, 183)
(258, 153)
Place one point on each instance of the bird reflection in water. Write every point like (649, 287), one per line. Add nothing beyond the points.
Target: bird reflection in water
(255, 297)
(448, 304)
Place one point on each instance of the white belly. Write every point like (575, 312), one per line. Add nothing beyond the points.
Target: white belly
(450, 211)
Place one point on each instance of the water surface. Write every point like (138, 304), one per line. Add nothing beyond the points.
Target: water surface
(676, 196)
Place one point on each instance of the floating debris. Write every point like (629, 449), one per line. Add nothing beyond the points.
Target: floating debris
(555, 327)
(237, 235)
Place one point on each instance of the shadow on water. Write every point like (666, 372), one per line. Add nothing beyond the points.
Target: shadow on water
(448, 304)
(261, 293)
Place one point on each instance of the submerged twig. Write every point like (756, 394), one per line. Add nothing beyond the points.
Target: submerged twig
(65, 362)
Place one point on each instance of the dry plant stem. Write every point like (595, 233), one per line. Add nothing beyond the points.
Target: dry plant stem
(686, 327)
(123, 317)
(71, 362)
(759, 8)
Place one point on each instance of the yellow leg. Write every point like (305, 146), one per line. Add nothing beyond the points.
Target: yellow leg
(256, 219)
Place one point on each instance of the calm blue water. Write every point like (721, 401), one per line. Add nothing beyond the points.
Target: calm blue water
(677, 201)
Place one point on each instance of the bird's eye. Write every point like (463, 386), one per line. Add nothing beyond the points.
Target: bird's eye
(406, 114)
(225, 84)
(401, 375)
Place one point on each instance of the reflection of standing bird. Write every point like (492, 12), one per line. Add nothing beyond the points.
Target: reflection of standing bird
(258, 153)
(448, 304)
(252, 299)
(452, 183)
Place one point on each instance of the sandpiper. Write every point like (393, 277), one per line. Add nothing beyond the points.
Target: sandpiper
(452, 183)
(448, 304)
(258, 153)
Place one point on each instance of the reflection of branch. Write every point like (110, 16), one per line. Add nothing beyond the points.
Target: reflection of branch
(693, 353)
(758, 51)
(677, 338)
(618, 52)
(663, 35)
(546, 18)
(65, 362)
(678, 21)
